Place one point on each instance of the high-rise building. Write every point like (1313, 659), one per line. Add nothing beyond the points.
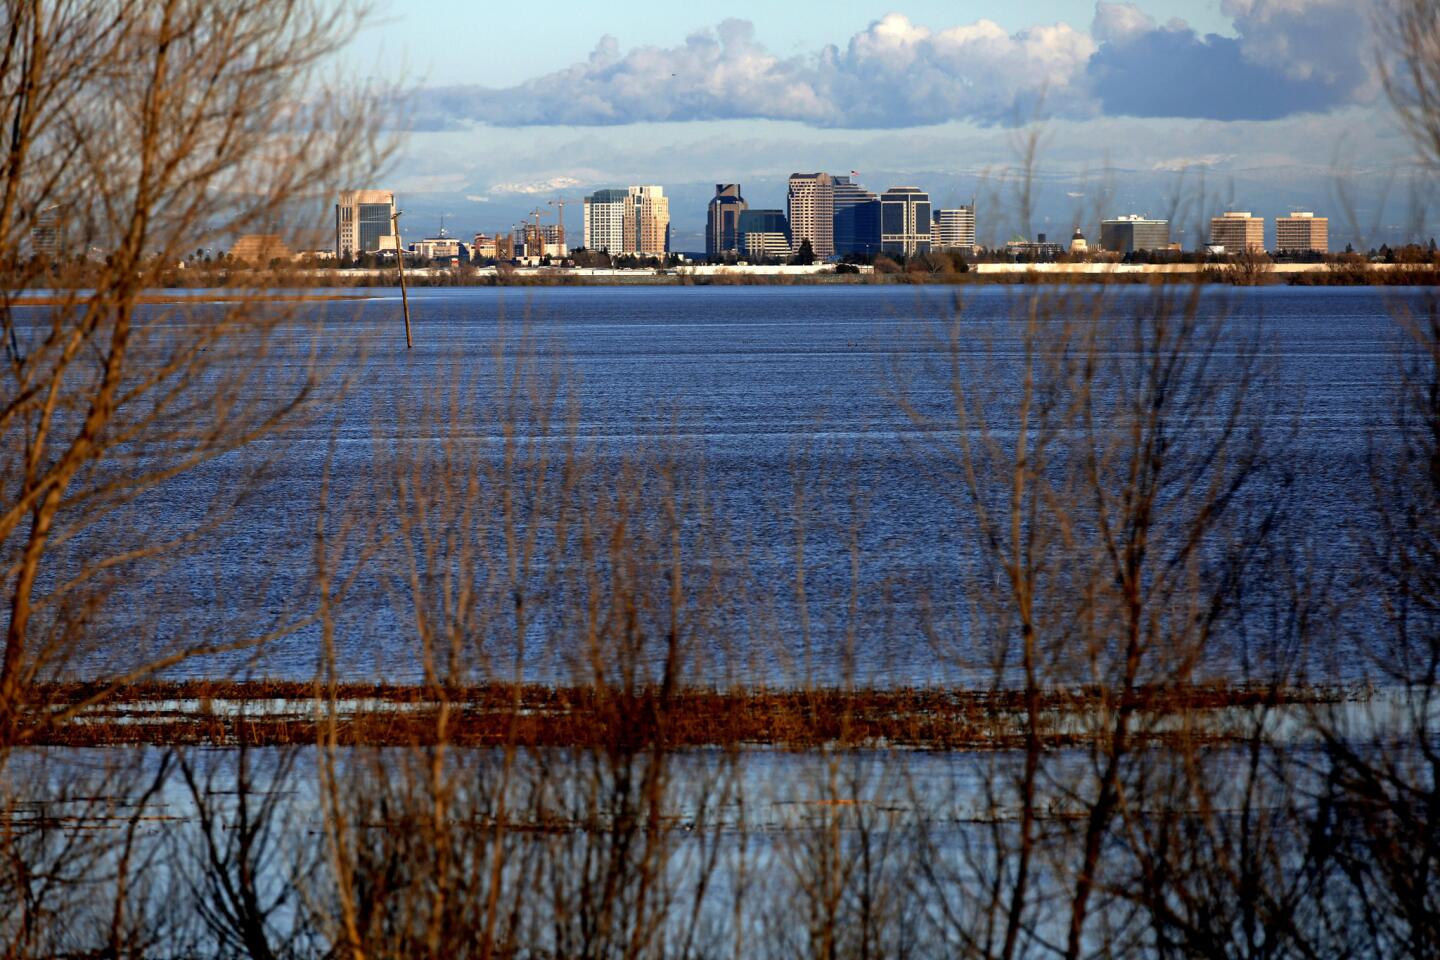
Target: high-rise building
(811, 206)
(647, 222)
(1302, 233)
(722, 223)
(45, 232)
(905, 221)
(605, 220)
(764, 234)
(1133, 232)
(364, 222)
(856, 219)
(1238, 232)
(954, 229)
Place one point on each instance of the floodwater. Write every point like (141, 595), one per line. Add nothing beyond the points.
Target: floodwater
(781, 404)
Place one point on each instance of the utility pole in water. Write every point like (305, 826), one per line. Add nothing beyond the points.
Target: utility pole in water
(400, 262)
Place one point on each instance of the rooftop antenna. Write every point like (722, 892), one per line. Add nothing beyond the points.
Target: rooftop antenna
(400, 262)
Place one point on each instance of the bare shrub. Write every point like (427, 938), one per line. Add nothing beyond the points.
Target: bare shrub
(140, 131)
(1106, 466)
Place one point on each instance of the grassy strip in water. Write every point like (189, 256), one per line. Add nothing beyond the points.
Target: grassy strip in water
(275, 713)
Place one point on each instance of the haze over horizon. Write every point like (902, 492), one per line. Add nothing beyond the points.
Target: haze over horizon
(1155, 107)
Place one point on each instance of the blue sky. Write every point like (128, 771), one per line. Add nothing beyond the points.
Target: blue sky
(1155, 107)
(490, 42)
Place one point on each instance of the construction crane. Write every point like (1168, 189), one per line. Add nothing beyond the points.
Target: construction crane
(559, 203)
(537, 213)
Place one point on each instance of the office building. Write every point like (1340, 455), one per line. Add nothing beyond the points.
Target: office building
(364, 222)
(647, 222)
(1302, 233)
(499, 247)
(485, 247)
(440, 249)
(954, 229)
(605, 220)
(1238, 232)
(45, 232)
(855, 222)
(1133, 233)
(905, 221)
(1040, 250)
(722, 222)
(811, 209)
(764, 235)
(258, 249)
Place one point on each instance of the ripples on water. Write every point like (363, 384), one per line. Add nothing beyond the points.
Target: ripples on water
(750, 381)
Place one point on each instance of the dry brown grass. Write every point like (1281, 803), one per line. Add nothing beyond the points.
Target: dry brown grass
(220, 296)
(545, 716)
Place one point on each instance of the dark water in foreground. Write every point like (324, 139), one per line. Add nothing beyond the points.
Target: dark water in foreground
(751, 381)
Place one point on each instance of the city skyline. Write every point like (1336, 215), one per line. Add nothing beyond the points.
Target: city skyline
(664, 99)
(846, 199)
(832, 214)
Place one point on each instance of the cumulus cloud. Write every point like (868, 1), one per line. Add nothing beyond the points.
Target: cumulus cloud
(893, 74)
(1288, 56)
(1308, 40)
(898, 74)
(1119, 22)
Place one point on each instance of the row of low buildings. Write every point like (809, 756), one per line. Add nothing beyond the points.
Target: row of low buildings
(1234, 232)
(634, 220)
(366, 223)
